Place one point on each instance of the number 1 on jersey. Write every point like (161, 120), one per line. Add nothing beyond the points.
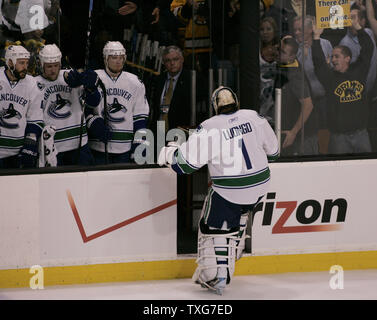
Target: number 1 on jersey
(246, 156)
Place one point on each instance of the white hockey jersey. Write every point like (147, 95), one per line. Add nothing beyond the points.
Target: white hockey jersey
(236, 148)
(126, 104)
(20, 104)
(62, 110)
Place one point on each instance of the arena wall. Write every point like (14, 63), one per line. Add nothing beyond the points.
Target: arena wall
(120, 225)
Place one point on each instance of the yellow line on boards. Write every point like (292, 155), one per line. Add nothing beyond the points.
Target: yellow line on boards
(184, 268)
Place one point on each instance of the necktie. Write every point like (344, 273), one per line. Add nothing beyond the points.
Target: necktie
(166, 103)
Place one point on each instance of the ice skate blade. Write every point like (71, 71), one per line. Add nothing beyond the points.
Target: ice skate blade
(216, 286)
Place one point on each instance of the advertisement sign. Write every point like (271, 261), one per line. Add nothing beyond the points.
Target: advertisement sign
(334, 14)
(88, 218)
(317, 207)
(122, 214)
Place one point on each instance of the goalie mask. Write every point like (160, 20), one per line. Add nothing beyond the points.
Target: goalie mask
(224, 100)
(50, 54)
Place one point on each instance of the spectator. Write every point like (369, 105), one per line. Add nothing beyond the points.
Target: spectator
(283, 12)
(154, 13)
(351, 41)
(297, 106)
(109, 15)
(317, 91)
(264, 5)
(9, 29)
(267, 65)
(269, 32)
(35, 18)
(197, 36)
(174, 107)
(345, 84)
(371, 9)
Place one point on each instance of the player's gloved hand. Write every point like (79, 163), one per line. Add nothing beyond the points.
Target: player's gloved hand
(98, 130)
(89, 79)
(73, 78)
(28, 155)
(166, 156)
(91, 98)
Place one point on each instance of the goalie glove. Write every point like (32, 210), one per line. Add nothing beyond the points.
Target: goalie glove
(166, 156)
(28, 155)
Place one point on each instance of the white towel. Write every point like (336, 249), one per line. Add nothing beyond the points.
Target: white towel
(47, 150)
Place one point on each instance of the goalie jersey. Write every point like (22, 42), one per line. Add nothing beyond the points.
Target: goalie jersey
(62, 109)
(127, 110)
(237, 148)
(20, 105)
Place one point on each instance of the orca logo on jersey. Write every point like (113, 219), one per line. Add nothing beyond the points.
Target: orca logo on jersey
(54, 108)
(307, 212)
(7, 114)
(113, 109)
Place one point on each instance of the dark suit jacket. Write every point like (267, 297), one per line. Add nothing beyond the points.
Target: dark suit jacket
(179, 111)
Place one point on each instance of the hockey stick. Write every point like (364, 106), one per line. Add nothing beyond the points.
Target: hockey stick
(87, 51)
(89, 30)
(105, 115)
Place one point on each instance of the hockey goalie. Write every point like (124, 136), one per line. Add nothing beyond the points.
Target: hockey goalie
(236, 145)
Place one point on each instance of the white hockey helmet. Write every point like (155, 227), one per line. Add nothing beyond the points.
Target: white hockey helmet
(224, 96)
(50, 53)
(113, 48)
(13, 53)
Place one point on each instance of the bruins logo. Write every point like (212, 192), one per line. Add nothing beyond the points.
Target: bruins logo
(349, 91)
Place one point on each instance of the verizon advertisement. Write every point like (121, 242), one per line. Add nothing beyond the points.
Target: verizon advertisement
(317, 207)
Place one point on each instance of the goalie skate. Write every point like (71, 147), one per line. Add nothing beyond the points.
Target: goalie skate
(216, 258)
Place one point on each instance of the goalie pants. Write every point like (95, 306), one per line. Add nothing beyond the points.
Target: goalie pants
(217, 210)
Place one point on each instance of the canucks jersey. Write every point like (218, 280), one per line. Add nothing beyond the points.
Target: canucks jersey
(62, 109)
(126, 106)
(20, 105)
(236, 148)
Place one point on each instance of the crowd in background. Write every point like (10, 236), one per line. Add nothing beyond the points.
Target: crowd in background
(326, 109)
(201, 34)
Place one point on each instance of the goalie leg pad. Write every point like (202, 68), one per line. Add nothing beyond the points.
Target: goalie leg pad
(216, 252)
(242, 235)
(216, 256)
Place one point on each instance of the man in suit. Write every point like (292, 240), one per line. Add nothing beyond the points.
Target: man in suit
(171, 101)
